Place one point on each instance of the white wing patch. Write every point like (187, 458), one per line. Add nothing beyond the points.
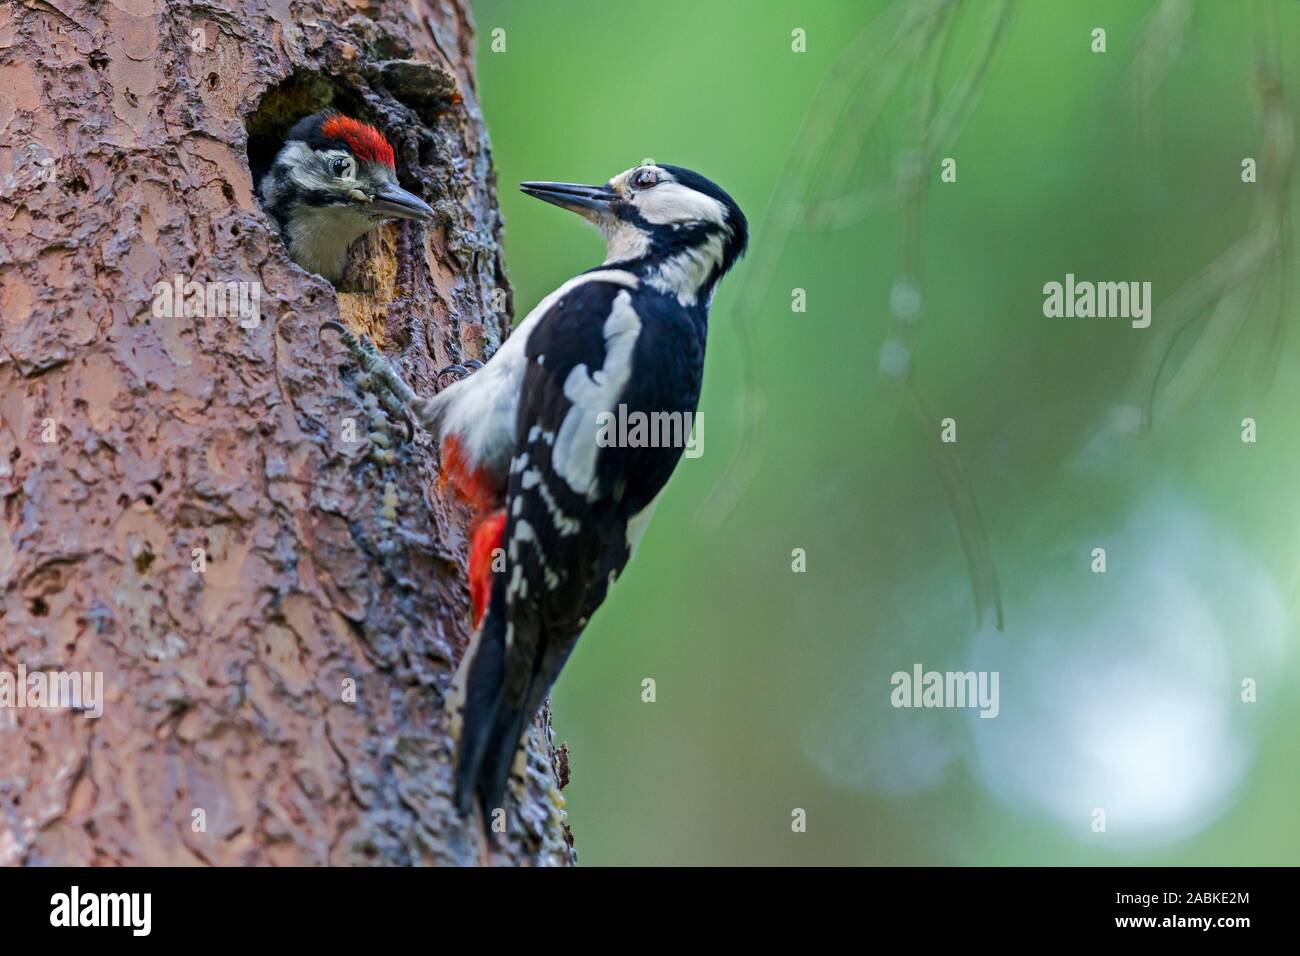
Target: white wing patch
(481, 410)
(591, 393)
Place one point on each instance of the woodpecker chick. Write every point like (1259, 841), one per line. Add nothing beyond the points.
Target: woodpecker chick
(521, 440)
(334, 180)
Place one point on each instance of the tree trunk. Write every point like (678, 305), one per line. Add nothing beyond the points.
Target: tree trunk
(183, 510)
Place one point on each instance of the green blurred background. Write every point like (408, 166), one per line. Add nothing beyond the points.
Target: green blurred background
(1119, 691)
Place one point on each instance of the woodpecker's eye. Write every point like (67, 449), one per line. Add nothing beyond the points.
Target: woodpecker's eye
(342, 167)
(645, 178)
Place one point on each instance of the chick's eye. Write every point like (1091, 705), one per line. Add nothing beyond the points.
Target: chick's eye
(645, 179)
(341, 167)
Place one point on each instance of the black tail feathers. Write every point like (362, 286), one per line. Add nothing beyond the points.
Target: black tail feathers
(491, 729)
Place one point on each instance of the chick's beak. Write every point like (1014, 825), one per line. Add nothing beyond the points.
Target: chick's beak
(588, 201)
(393, 202)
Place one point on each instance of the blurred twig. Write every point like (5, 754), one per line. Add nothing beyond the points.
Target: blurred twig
(937, 123)
(965, 509)
(1164, 36)
(1230, 285)
(909, 38)
(874, 47)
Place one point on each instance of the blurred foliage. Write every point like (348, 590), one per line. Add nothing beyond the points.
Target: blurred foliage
(1119, 691)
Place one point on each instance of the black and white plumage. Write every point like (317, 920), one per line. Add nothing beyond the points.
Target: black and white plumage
(332, 181)
(522, 432)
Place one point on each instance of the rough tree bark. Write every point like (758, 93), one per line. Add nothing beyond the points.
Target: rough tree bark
(130, 135)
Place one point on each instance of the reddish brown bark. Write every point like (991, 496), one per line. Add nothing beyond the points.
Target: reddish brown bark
(125, 140)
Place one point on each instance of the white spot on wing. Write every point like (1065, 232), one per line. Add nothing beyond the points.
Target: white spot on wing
(592, 393)
(481, 410)
(564, 524)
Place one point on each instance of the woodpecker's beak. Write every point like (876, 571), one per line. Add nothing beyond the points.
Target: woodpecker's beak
(586, 201)
(393, 202)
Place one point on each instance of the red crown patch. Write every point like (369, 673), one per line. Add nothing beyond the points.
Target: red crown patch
(366, 142)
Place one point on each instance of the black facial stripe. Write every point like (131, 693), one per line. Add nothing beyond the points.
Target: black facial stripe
(667, 239)
(320, 197)
(629, 213)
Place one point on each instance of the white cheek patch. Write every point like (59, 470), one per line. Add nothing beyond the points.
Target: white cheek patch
(672, 202)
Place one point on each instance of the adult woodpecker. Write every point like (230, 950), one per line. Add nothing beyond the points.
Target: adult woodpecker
(334, 180)
(520, 442)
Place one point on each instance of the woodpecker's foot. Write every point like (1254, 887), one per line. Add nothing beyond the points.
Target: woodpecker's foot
(462, 369)
(374, 364)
